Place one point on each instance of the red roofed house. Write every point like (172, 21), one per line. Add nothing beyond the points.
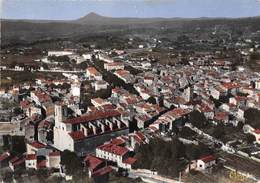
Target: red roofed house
(206, 110)
(82, 134)
(238, 100)
(17, 162)
(137, 139)
(114, 66)
(230, 87)
(124, 75)
(94, 164)
(217, 91)
(40, 97)
(222, 117)
(31, 161)
(93, 74)
(206, 162)
(53, 160)
(128, 162)
(35, 148)
(176, 116)
(102, 175)
(41, 164)
(117, 154)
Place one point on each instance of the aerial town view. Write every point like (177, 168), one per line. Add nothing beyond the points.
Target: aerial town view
(130, 91)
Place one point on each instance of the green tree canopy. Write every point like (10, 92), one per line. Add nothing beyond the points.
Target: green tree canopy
(198, 119)
(162, 156)
(252, 117)
(71, 162)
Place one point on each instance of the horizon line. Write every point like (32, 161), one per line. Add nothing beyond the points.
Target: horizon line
(135, 17)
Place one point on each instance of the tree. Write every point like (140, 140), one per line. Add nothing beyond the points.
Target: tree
(252, 117)
(183, 39)
(65, 86)
(240, 125)
(198, 119)
(218, 132)
(192, 152)
(151, 100)
(161, 156)
(186, 132)
(17, 111)
(18, 144)
(71, 162)
(250, 138)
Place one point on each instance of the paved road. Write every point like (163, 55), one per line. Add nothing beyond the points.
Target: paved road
(151, 178)
(62, 71)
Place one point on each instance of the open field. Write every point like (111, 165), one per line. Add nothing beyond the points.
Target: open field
(241, 164)
(10, 78)
(10, 59)
(217, 176)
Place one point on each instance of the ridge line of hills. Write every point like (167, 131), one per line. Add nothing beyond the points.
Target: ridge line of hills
(29, 31)
(92, 17)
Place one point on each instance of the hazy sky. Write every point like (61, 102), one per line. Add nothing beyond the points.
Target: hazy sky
(73, 9)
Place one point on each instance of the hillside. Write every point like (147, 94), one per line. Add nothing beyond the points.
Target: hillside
(28, 31)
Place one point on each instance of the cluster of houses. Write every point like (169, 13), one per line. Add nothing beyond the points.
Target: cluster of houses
(96, 77)
(102, 133)
(37, 156)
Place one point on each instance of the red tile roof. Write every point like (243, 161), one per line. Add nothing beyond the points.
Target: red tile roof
(221, 116)
(115, 64)
(14, 159)
(154, 129)
(31, 157)
(37, 145)
(4, 156)
(56, 153)
(129, 160)
(43, 97)
(122, 72)
(208, 158)
(92, 71)
(240, 98)
(205, 108)
(257, 131)
(140, 135)
(138, 139)
(103, 171)
(230, 85)
(117, 141)
(108, 107)
(17, 161)
(77, 135)
(41, 164)
(178, 112)
(114, 149)
(93, 161)
(116, 90)
(95, 115)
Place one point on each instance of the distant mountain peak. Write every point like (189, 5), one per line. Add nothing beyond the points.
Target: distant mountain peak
(92, 16)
